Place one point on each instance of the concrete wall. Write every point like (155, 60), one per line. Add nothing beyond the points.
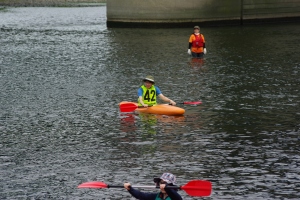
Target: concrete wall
(172, 10)
(260, 9)
(49, 2)
(168, 13)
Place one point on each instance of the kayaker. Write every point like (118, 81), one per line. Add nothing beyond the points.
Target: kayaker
(197, 44)
(165, 194)
(148, 92)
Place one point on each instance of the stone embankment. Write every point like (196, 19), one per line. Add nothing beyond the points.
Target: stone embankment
(52, 2)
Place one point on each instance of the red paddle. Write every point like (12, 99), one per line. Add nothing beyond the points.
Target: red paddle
(130, 106)
(193, 188)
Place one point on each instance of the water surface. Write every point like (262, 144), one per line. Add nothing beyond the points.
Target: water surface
(63, 74)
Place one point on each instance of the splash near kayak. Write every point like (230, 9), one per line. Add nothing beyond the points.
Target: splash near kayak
(160, 109)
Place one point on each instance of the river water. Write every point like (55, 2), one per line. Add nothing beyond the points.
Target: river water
(63, 73)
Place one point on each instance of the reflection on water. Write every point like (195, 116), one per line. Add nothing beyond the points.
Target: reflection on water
(197, 63)
(63, 74)
(130, 122)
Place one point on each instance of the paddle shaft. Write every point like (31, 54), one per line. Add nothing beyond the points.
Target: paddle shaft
(143, 186)
(176, 103)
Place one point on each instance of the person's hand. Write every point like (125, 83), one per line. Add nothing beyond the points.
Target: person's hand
(204, 50)
(127, 186)
(189, 52)
(145, 105)
(172, 102)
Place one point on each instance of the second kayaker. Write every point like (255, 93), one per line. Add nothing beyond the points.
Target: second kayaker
(164, 194)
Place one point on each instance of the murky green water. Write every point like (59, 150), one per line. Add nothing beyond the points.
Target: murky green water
(63, 74)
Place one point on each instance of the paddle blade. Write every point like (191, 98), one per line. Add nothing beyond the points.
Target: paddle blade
(128, 107)
(197, 188)
(192, 102)
(93, 184)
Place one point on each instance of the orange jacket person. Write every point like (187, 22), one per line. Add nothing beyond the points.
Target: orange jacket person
(197, 44)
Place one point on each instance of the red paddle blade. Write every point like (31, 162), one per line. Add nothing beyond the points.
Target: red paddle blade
(128, 107)
(192, 102)
(93, 184)
(197, 188)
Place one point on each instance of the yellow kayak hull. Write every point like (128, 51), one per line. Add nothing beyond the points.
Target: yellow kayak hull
(160, 109)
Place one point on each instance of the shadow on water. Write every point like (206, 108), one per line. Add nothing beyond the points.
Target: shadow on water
(63, 74)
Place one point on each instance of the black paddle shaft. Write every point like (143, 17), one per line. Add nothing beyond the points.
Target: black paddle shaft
(143, 186)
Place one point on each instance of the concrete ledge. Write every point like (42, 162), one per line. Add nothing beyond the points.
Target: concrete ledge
(118, 24)
(271, 20)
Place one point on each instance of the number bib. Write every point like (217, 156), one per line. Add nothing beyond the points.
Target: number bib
(149, 95)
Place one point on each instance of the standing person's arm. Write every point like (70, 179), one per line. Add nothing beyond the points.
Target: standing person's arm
(190, 46)
(204, 48)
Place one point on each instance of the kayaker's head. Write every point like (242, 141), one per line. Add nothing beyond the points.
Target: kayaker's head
(196, 29)
(166, 178)
(148, 81)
